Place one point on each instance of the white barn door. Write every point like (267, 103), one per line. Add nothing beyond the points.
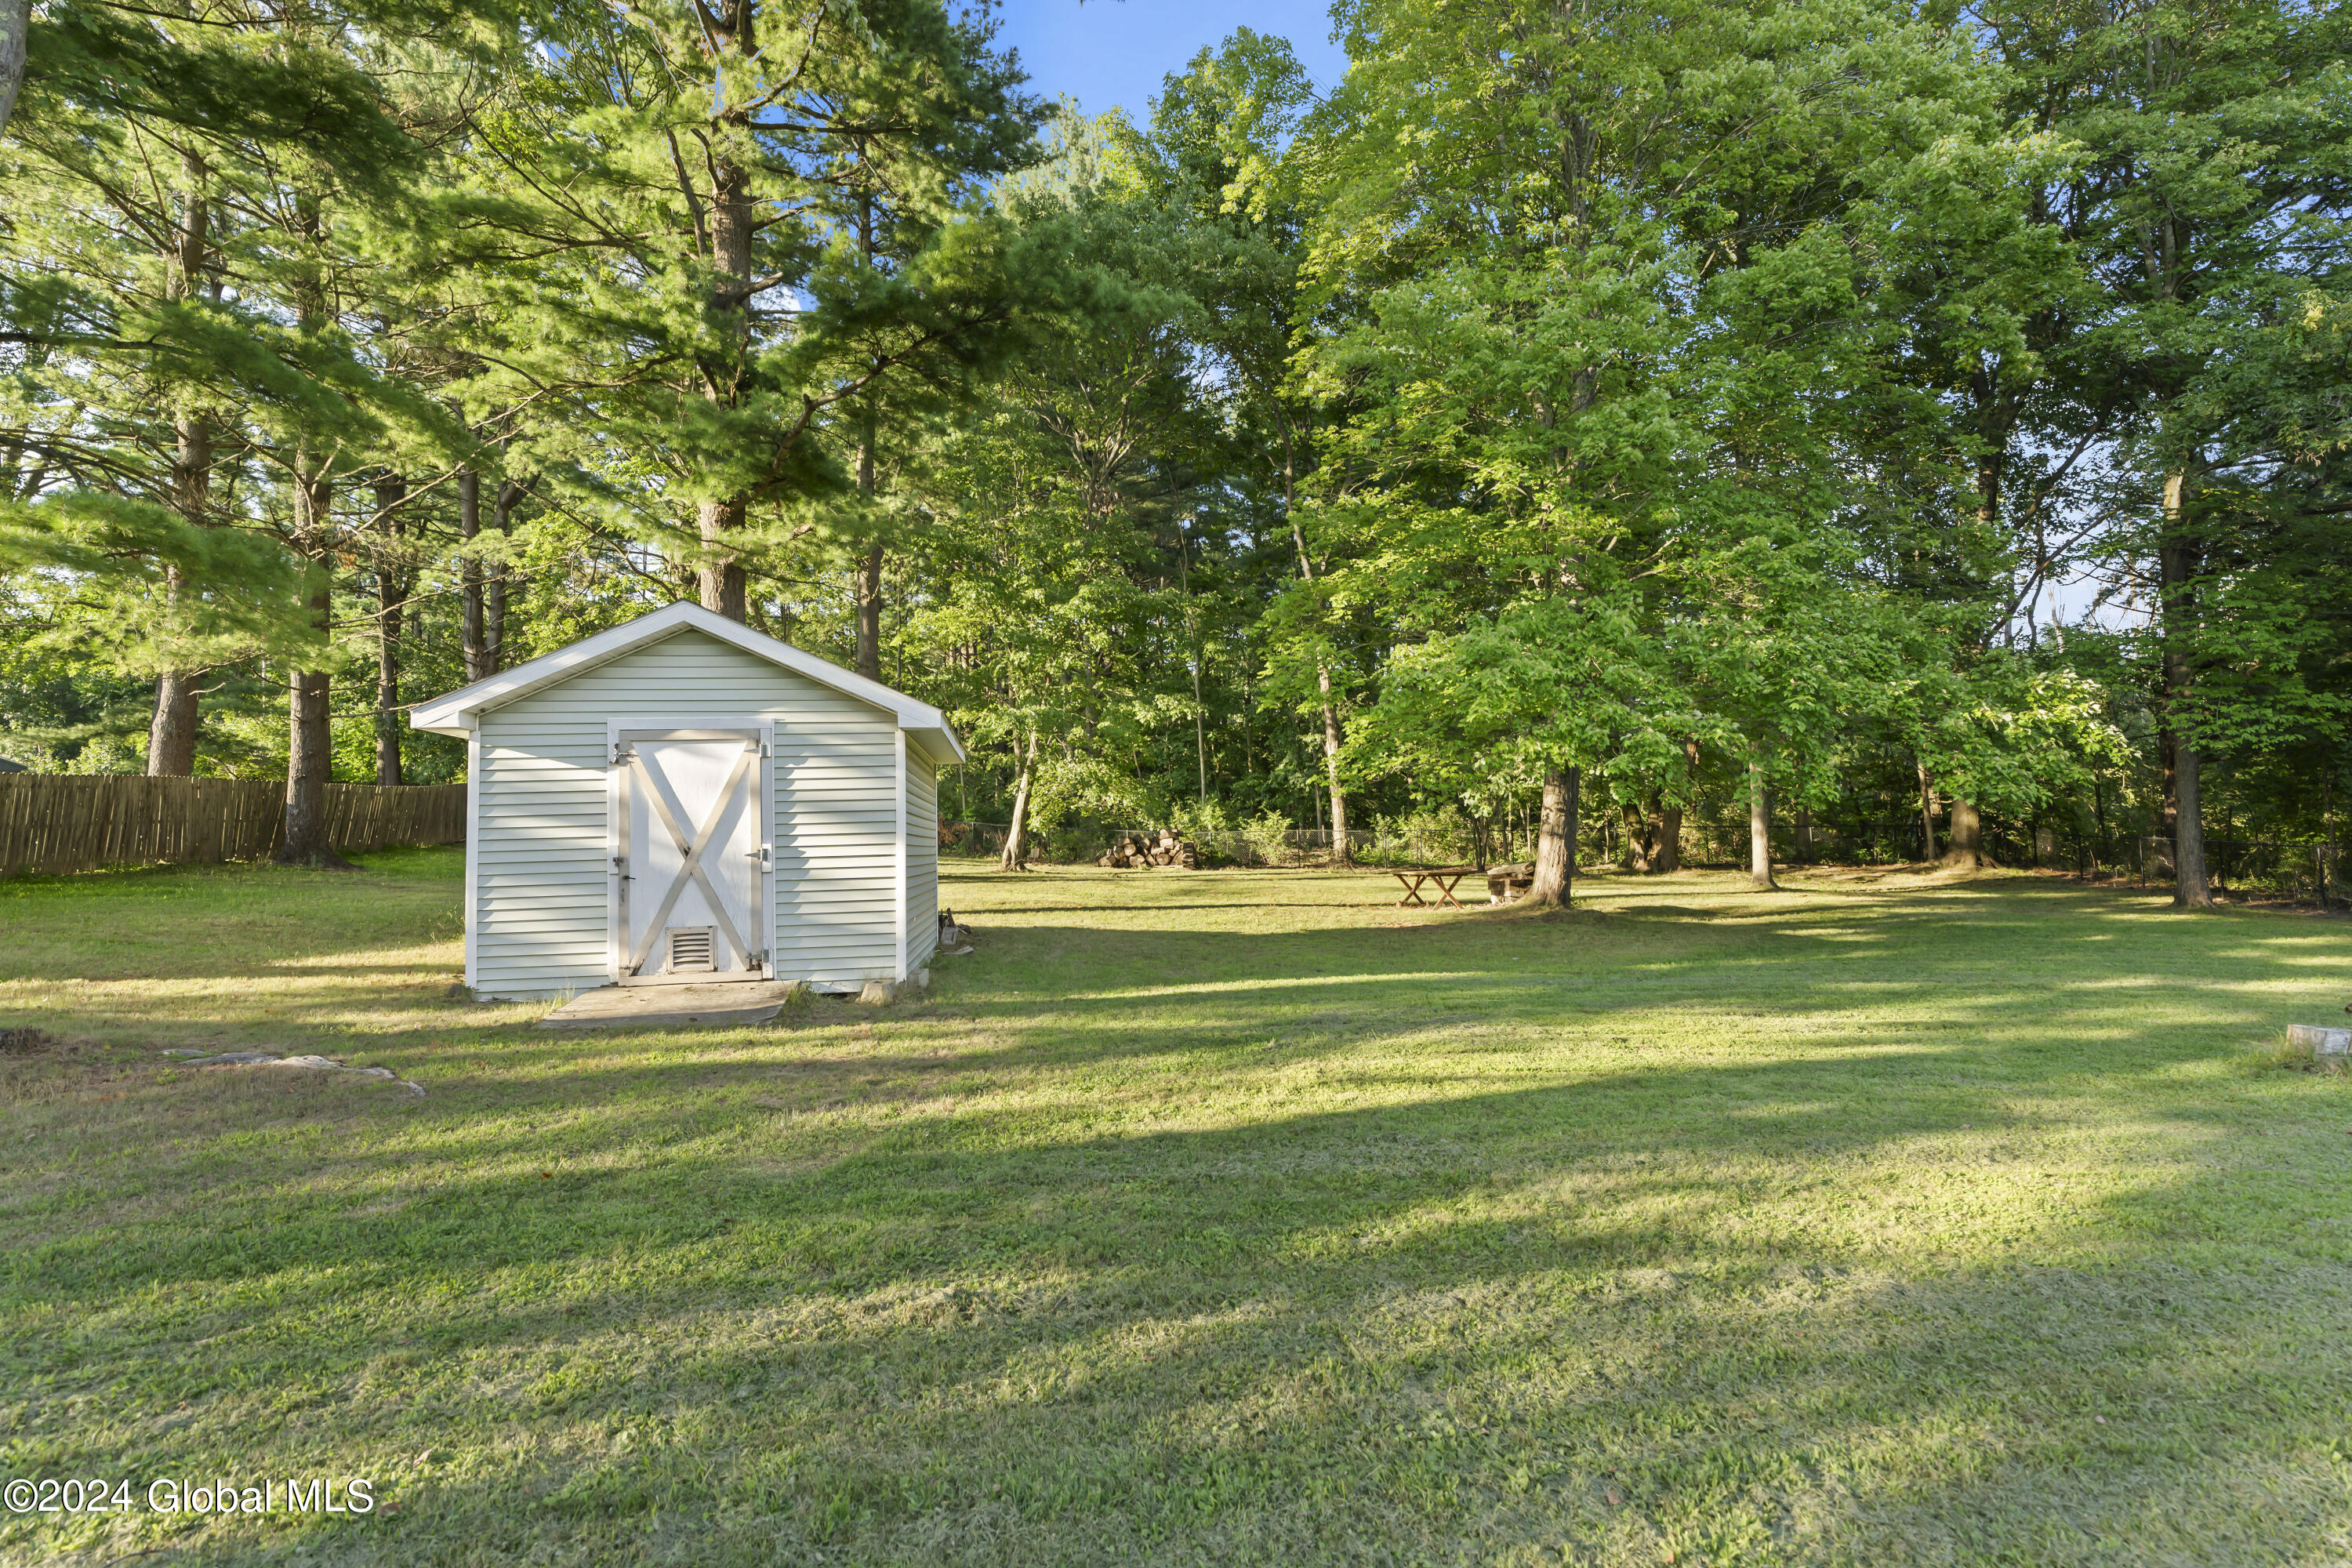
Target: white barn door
(691, 863)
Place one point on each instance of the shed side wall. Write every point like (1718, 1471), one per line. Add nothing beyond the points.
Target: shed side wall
(922, 859)
(539, 912)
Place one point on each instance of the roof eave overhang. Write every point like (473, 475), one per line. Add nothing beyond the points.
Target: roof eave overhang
(939, 743)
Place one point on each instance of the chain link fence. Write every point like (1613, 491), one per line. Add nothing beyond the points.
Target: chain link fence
(2258, 868)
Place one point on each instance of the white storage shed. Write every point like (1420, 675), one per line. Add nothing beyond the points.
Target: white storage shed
(683, 799)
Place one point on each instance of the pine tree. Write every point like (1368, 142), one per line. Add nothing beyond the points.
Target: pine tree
(741, 276)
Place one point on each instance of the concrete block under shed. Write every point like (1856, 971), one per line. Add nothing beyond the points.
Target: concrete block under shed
(742, 1005)
(2320, 1041)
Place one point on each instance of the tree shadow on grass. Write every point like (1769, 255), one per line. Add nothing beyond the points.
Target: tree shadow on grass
(1438, 1328)
(1805, 1288)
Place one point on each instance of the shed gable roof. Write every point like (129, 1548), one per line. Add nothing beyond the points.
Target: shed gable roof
(456, 713)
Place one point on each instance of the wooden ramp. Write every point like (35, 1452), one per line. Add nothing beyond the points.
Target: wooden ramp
(719, 1005)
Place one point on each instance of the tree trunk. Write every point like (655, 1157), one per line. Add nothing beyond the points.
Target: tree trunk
(479, 666)
(2191, 887)
(171, 732)
(720, 577)
(1192, 636)
(1759, 829)
(1926, 816)
(1637, 837)
(1343, 852)
(310, 754)
(1555, 876)
(309, 758)
(1669, 818)
(16, 34)
(1964, 848)
(1016, 852)
(2176, 568)
(502, 594)
(391, 606)
(869, 611)
(866, 589)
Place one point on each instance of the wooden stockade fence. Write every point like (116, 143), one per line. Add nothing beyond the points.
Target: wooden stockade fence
(51, 824)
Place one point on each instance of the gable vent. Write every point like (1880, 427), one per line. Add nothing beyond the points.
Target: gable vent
(689, 948)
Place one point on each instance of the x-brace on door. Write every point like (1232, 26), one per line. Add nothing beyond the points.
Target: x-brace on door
(691, 867)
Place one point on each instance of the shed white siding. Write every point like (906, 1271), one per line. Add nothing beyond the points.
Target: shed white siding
(922, 859)
(537, 853)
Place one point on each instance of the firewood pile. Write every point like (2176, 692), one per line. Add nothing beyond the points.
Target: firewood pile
(1132, 849)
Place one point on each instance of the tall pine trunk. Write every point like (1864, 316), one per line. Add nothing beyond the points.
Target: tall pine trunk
(501, 590)
(869, 611)
(15, 37)
(719, 578)
(171, 732)
(310, 758)
(1016, 850)
(469, 577)
(309, 754)
(2176, 568)
(1759, 829)
(1555, 876)
(867, 588)
(391, 607)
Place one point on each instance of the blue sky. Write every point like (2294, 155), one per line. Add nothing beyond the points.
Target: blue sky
(1115, 52)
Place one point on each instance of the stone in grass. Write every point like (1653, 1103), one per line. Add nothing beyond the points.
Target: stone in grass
(882, 993)
(314, 1064)
(2320, 1041)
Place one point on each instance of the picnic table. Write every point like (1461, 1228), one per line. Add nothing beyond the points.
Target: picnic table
(1445, 879)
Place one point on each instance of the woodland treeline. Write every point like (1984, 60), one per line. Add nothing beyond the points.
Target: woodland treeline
(1844, 408)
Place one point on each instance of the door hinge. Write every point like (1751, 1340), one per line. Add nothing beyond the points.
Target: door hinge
(622, 754)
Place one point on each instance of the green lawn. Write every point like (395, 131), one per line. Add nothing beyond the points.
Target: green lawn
(1218, 1217)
